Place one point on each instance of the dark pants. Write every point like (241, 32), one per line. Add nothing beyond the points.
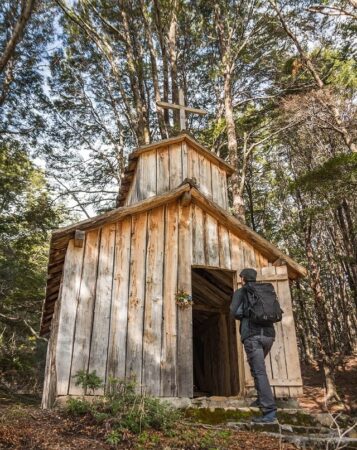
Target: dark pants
(257, 348)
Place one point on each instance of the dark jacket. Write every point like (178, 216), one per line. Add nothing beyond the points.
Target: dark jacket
(239, 310)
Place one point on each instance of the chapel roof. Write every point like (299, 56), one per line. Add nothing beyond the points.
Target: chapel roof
(62, 236)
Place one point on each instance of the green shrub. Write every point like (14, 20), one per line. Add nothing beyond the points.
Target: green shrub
(114, 437)
(100, 417)
(88, 380)
(122, 408)
(78, 407)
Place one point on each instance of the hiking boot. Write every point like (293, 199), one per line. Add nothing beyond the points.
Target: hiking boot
(269, 417)
(255, 404)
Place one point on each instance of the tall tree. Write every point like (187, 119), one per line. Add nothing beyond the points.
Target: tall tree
(26, 216)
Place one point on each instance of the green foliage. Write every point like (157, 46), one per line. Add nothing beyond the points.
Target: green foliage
(26, 216)
(88, 380)
(146, 438)
(337, 172)
(341, 71)
(122, 408)
(22, 81)
(78, 407)
(114, 437)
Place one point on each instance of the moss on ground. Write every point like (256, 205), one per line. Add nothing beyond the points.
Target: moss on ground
(297, 418)
(217, 416)
(220, 415)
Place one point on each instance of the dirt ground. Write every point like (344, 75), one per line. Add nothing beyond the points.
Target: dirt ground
(314, 392)
(28, 427)
(23, 425)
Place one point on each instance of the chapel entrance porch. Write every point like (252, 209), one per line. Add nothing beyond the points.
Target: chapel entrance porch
(215, 359)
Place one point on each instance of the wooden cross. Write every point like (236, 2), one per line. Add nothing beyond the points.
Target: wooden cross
(182, 108)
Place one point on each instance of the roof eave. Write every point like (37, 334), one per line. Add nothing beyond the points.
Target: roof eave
(61, 237)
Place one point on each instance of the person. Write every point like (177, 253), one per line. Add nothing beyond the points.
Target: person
(257, 341)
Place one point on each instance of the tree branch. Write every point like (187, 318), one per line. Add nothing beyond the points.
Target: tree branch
(331, 11)
(24, 321)
(17, 33)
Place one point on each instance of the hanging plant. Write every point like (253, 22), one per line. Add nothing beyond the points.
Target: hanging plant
(183, 299)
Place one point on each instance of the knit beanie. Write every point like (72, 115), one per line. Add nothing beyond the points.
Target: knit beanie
(249, 274)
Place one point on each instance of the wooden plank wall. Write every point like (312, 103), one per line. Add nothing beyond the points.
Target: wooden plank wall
(215, 245)
(118, 314)
(161, 170)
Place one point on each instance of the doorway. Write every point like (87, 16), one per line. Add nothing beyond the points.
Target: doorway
(215, 360)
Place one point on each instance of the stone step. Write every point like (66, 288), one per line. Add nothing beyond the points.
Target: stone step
(282, 428)
(316, 441)
(304, 437)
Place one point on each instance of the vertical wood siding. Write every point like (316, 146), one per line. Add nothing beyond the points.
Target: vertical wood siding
(160, 170)
(137, 291)
(118, 313)
(153, 303)
(119, 307)
(69, 298)
(233, 253)
(102, 307)
(85, 309)
(184, 315)
(50, 379)
(168, 383)
(163, 170)
(293, 370)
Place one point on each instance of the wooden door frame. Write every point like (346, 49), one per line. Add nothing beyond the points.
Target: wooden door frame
(240, 351)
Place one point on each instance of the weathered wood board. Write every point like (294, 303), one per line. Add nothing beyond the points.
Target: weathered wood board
(205, 178)
(148, 178)
(136, 298)
(175, 155)
(211, 241)
(169, 339)
(166, 167)
(289, 335)
(85, 310)
(119, 307)
(69, 299)
(198, 236)
(163, 170)
(184, 322)
(153, 303)
(102, 308)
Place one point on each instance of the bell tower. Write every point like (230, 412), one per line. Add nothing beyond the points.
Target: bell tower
(162, 166)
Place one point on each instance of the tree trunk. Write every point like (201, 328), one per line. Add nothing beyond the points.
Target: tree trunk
(238, 202)
(224, 31)
(165, 62)
(345, 223)
(154, 71)
(329, 373)
(141, 126)
(17, 33)
(172, 36)
(324, 341)
(303, 324)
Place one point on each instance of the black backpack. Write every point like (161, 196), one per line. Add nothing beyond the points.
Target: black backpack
(263, 304)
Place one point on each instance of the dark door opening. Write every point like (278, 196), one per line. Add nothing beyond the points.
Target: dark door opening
(215, 361)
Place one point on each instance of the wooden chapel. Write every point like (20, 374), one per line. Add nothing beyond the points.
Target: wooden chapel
(110, 302)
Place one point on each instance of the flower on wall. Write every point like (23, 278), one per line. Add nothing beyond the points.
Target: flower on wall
(183, 299)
